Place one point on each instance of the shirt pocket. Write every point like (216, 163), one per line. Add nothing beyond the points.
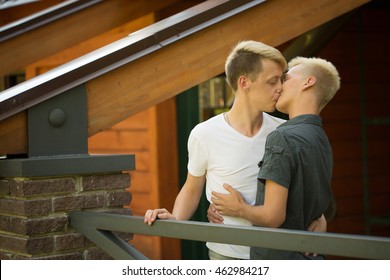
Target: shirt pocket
(272, 158)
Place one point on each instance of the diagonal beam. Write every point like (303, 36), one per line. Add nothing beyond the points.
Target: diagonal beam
(114, 245)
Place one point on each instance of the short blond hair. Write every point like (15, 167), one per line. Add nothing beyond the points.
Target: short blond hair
(327, 76)
(244, 60)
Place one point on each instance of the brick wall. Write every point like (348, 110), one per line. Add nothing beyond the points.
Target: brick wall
(34, 220)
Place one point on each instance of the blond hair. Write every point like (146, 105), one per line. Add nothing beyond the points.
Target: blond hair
(326, 74)
(245, 59)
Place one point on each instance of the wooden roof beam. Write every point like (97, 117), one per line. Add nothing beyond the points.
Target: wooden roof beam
(45, 40)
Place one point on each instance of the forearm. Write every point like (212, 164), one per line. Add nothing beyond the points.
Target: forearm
(186, 204)
(260, 216)
(257, 215)
(271, 214)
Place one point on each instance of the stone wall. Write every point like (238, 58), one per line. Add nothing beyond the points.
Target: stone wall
(34, 212)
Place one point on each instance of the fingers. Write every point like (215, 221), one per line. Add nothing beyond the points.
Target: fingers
(152, 215)
(215, 195)
(311, 226)
(318, 225)
(213, 216)
(165, 216)
(228, 188)
(308, 254)
(149, 217)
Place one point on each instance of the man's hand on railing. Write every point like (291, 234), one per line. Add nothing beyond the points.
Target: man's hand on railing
(213, 216)
(152, 215)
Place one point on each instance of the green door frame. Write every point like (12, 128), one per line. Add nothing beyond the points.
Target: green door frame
(187, 117)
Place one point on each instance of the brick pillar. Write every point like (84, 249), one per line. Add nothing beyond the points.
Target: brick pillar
(34, 211)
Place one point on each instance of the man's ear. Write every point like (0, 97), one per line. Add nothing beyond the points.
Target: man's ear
(310, 81)
(244, 82)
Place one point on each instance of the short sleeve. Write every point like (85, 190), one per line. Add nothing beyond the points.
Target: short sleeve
(197, 155)
(277, 163)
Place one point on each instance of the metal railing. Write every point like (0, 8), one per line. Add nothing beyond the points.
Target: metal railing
(46, 16)
(100, 228)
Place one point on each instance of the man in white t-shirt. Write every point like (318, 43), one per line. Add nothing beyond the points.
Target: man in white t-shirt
(228, 147)
(236, 160)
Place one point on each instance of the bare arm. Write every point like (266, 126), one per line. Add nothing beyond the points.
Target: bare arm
(188, 199)
(271, 214)
(234, 205)
(185, 204)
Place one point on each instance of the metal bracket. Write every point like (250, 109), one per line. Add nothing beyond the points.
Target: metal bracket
(58, 141)
(58, 126)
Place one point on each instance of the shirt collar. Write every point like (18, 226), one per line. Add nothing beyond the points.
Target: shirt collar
(308, 118)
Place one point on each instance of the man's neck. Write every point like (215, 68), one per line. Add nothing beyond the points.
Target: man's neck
(303, 107)
(244, 121)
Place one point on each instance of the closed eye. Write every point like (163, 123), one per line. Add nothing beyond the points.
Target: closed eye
(274, 81)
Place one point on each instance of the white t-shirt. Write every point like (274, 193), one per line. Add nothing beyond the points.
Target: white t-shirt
(224, 155)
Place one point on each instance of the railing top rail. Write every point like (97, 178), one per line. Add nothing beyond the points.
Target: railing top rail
(347, 245)
(43, 17)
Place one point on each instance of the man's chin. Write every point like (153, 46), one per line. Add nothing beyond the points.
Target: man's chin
(280, 109)
(271, 110)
